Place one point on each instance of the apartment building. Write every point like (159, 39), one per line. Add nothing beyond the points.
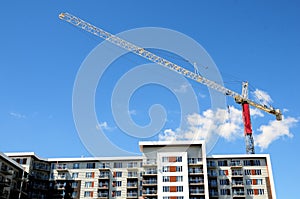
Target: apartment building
(165, 170)
(12, 179)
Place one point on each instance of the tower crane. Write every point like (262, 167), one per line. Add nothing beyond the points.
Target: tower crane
(239, 98)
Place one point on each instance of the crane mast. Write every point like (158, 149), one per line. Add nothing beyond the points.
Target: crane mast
(240, 99)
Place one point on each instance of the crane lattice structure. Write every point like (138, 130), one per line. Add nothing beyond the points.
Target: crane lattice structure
(240, 99)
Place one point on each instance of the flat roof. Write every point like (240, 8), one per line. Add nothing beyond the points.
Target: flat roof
(170, 143)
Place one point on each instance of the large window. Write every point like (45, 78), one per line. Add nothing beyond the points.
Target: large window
(172, 159)
(222, 163)
(90, 165)
(75, 165)
(225, 192)
(89, 174)
(89, 184)
(88, 194)
(118, 165)
(224, 181)
(75, 175)
(166, 189)
(74, 184)
(118, 183)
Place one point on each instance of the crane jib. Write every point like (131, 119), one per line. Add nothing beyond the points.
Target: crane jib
(163, 62)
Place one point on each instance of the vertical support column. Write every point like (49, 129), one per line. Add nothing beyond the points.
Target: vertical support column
(248, 129)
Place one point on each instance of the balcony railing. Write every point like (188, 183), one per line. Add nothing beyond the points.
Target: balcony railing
(196, 191)
(150, 172)
(196, 171)
(132, 195)
(195, 160)
(149, 182)
(149, 162)
(132, 185)
(237, 183)
(149, 192)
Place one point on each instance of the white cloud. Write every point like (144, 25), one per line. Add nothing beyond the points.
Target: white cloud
(17, 115)
(104, 125)
(228, 124)
(262, 96)
(273, 131)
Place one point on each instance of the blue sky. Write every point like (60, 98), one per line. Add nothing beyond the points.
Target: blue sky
(257, 41)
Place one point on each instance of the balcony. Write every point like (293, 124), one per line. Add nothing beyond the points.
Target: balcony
(132, 195)
(132, 185)
(149, 192)
(104, 176)
(5, 183)
(103, 186)
(149, 162)
(149, 182)
(195, 171)
(150, 172)
(196, 191)
(103, 195)
(238, 194)
(193, 161)
(196, 181)
(61, 167)
(237, 173)
(41, 166)
(236, 164)
(237, 183)
(6, 171)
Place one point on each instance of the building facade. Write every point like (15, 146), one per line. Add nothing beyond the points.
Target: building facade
(12, 179)
(165, 170)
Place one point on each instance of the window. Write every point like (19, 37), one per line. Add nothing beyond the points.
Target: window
(118, 183)
(179, 178)
(118, 174)
(165, 169)
(74, 184)
(89, 174)
(224, 182)
(117, 164)
(88, 194)
(90, 165)
(222, 163)
(166, 178)
(250, 192)
(225, 192)
(259, 181)
(172, 159)
(248, 182)
(257, 172)
(166, 189)
(178, 168)
(260, 191)
(132, 164)
(251, 162)
(74, 194)
(118, 193)
(223, 172)
(165, 159)
(179, 188)
(89, 184)
(247, 172)
(74, 175)
(61, 175)
(76, 166)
